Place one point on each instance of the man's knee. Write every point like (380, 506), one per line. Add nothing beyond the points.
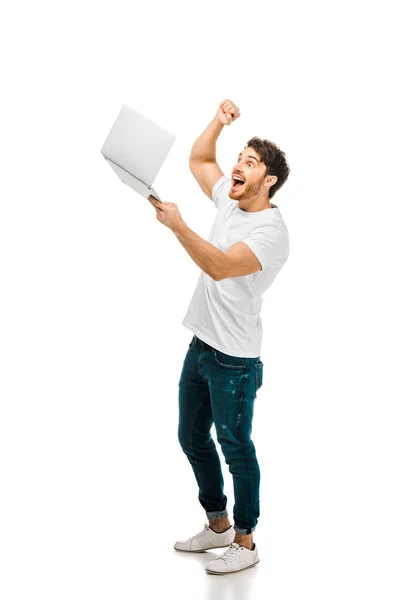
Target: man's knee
(235, 446)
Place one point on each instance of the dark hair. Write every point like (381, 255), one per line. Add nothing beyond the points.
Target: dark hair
(275, 160)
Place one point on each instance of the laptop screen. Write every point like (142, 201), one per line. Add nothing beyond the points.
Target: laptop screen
(137, 144)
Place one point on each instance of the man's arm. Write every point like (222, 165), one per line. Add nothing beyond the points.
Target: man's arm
(208, 257)
(205, 147)
(237, 261)
(203, 162)
(203, 158)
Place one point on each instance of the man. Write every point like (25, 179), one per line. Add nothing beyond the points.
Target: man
(222, 370)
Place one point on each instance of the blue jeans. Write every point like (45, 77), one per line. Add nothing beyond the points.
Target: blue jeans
(219, 388)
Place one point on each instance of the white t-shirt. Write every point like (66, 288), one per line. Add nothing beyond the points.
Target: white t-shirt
(226, 314)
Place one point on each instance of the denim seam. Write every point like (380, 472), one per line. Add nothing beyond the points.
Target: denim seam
(248, 483)
(191, 442)
(248, 486)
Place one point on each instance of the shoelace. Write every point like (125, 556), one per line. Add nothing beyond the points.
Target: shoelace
(231, 552)
(206, 526)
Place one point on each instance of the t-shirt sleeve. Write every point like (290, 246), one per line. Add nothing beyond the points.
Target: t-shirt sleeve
(270, 244)
(220, 192)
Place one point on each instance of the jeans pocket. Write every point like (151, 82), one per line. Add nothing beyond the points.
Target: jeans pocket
(228, 361)
(259, 367)
(192, 342)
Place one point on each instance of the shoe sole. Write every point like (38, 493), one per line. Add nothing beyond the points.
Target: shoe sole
(229, 572)
(199, 551)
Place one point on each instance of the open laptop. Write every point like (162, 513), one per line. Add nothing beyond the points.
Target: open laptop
(136, 148)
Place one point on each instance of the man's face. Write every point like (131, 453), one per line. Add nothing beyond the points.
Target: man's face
(251, 169)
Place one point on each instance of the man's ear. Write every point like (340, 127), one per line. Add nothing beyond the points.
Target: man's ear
(271, 181)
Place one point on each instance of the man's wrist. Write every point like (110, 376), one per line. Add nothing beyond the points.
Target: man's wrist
(179, 227)
(218, 123)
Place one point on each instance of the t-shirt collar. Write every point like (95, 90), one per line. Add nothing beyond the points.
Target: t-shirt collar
(247, 213)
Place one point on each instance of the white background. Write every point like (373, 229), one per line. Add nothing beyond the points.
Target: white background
(95, 487)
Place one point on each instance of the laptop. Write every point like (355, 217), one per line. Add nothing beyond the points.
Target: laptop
(136, 148)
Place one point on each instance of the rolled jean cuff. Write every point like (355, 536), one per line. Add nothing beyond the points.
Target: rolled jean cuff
(216, 514)
(243, 531)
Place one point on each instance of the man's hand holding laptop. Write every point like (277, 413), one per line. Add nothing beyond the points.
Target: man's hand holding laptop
(167, 213)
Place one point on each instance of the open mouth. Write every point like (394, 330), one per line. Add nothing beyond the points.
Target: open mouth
(236, 184)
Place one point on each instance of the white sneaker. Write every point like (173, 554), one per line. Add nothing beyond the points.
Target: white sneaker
(206, 539)
(236, 558)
